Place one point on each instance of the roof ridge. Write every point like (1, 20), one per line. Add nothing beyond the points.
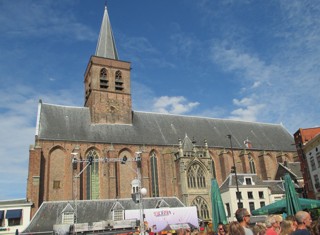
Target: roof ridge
(213, 118)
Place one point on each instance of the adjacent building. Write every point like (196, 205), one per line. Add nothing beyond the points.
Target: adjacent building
(14, 215)
(254, 193)
(75, 149)
(312, 155)
(301, 138)
(104, 216)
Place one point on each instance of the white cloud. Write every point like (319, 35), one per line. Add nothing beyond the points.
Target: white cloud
(173, 105)
(249, 113)
(291, 72)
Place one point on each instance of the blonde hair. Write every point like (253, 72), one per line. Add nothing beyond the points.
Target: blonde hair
(286, 227)
(259, 229)
(236, 229)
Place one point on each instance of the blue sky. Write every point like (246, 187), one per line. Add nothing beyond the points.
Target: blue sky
(249, 60)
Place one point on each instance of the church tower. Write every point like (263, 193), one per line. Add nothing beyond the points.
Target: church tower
(107, 81)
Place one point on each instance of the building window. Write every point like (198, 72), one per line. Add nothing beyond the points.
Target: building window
(196, 177)
(202, 208)
(68, 218)
(228, 210)
(316, 181)
(103, 73)
(1, 218)
(103, 79)
(154, 176)
(261, 196)
(262, 204)
(251, 206)
(252, 165)
(14, 217)
(56, 184)
(118, 81)
(118, 215)
(318, 160)
(93, 181)
(312, 163)
(238, 195)
(201, 178)
(213, 169)
(191, 179)
(248, 181)
(250, 195)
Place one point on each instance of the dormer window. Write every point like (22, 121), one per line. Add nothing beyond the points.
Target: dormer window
(248, 181)
(118, 215)
(68, 218)
(118, 81)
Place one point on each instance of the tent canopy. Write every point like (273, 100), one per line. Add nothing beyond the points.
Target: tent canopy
(279, 207)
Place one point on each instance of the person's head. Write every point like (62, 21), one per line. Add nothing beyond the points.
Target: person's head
(259, 229)
(236, 229)
(243, 215)
(292, 218)
(287, 227)
(279, 220)
(221, 229)
(303, 218)
(270, 221)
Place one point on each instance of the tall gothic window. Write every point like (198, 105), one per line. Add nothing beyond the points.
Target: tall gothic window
(154, 176)
(213, 169)
(191, 178)
(93, 181)
(252, 165)
(202, 207)
(196, 177)
(201, 178)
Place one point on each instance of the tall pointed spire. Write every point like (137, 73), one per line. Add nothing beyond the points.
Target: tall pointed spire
(106, 46)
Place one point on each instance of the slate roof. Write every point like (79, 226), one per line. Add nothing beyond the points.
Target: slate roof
(230, 181)
(276, 186)
(14, 202)
(90, 211)
(293, 168)
(67, 123)
(106, 46)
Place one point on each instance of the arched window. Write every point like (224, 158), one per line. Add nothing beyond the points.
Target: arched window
(103, 73)
(213, 169)
(202, 207)
(191, 178)
(93, 189)
(118, 81)
(196, 177)
(103, 79)
(252, 165)
(154, 176)
(201, 178)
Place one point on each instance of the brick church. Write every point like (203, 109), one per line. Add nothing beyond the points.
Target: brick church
(180, 154)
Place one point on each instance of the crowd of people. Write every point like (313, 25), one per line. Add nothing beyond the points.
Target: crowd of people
(300, 224)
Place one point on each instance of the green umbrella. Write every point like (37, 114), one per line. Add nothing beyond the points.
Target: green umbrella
(218, 212)
(292, 202)
(279, 207)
